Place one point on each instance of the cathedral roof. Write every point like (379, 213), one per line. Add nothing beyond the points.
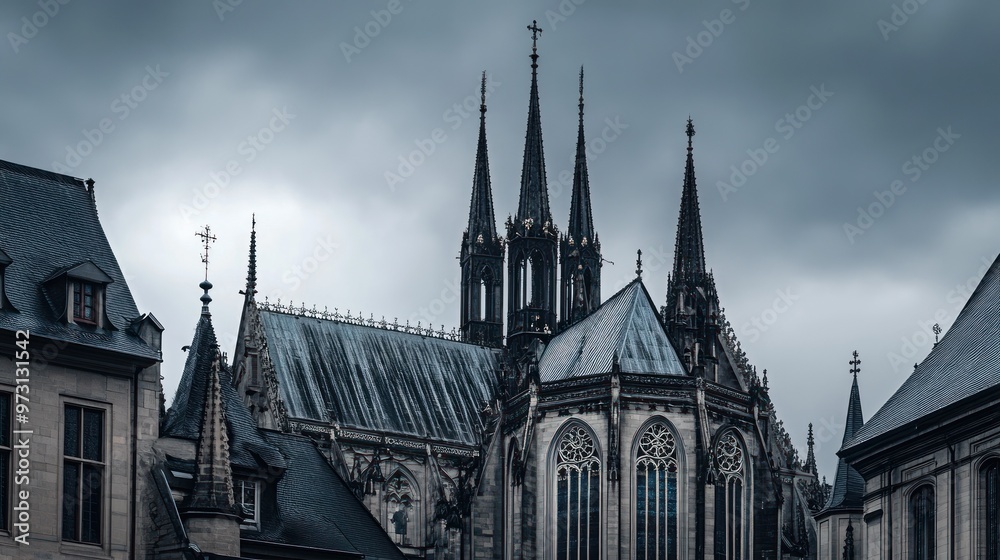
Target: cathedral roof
(848, 485)
(626, 327)
(316, 509)
(49, 225)
(381, 380)
(965, 363)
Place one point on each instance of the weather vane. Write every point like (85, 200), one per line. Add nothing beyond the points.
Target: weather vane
(855, 362)
(207, 238)
(638, 263)
(937, 332)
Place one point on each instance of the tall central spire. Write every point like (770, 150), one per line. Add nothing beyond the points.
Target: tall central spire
(689, 251)
(534, 201)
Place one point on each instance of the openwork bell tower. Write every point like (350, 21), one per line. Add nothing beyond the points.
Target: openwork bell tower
(532, 237)
(482, 254)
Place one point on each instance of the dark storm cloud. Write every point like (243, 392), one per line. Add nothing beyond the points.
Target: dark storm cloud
(365, 84)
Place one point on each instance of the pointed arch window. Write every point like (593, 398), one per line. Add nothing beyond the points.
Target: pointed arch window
(990, 510)
(487, 298)
(730, 499)
(578, 496)
(656, 494)
(922, 523)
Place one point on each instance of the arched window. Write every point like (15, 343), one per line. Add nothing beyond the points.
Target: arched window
(990, 510)
(730, 499)
(588, 290)
(487, 299)
(656, 494)
(401, 509)
(922, 523)
(578, 496)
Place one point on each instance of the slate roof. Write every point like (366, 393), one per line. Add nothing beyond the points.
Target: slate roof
(848, 484)
(964, 363)
(315, 507)
(49, 223)
(627, 326)
(247, 448)
(381, 380)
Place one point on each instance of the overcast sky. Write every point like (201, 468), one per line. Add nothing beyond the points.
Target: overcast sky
(298, 111)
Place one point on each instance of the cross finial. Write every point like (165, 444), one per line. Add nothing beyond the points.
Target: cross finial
(690, 132)
(937, 332)
(855, 362)
(535, 30)
(207, 239)
(638, 263)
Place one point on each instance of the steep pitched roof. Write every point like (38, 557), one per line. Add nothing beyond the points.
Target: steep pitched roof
(626, 326)
(377, 379)
(964, 363)
(315, 507)
(848, 485)
(49, 223)
(183, 419)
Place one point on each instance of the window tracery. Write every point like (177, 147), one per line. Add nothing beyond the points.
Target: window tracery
(578, 499)
(656, 494)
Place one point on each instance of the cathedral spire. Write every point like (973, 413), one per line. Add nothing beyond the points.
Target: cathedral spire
(534, 199)
(482, 224)
(213, 486)
(689, 250)
(581, 220)
(481, 256)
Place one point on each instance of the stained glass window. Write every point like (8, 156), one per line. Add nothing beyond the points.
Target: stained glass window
(578, 496)
(83, 474)
(990, 518)
(730, 499)
(922, 518)
(656, 494)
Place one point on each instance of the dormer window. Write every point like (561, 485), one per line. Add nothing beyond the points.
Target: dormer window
(77, 294)
(85, 296)
(248, 501)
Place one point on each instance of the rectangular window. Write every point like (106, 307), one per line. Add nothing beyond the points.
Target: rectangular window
(247, 495)
(84, 302)
(6, 456)
(83, 474)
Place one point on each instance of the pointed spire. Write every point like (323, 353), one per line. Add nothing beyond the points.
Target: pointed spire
(213, 486)
(252, 264)
(481, 218)
(207, 239)
(534, 198)
(689, 251)
(848, 485)
(581, 220)
(811, 455)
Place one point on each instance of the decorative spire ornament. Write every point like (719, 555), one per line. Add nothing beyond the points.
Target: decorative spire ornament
(207, 239)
